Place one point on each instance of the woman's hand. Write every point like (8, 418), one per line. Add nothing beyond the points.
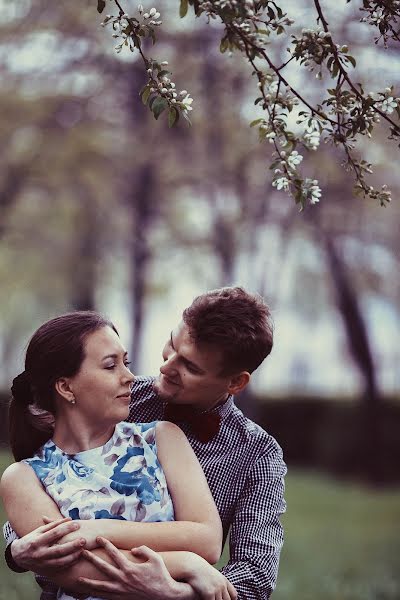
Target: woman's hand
(206, 581)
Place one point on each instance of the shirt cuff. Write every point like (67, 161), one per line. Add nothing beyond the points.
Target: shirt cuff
(11, 564)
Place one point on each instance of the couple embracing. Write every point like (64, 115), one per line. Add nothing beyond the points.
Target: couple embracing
(127, 487)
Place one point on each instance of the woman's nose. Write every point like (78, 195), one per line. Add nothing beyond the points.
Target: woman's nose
(129, 376)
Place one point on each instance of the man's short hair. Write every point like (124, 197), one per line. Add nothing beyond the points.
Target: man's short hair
(237, 323)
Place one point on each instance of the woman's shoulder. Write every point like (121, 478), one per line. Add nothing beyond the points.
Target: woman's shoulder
(14, 474)
(166, 429)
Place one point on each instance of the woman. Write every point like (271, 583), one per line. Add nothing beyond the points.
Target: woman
(126, 482)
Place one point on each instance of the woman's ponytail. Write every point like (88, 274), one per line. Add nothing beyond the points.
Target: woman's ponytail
(29, 428)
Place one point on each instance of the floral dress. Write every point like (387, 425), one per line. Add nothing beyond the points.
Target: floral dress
(121, 480)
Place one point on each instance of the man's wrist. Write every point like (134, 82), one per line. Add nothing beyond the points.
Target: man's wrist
(10, 560)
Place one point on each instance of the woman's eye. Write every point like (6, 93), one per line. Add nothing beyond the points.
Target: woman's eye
(110, 367)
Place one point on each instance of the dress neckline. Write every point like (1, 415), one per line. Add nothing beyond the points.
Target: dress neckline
(81, 453)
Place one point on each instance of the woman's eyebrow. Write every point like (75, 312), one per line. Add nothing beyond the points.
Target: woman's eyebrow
(114, 355)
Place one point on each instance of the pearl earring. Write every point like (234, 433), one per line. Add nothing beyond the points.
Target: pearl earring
(73, 401)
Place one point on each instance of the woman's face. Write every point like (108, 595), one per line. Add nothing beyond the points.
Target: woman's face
(102, 386)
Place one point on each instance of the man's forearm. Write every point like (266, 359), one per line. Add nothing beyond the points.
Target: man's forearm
(177, 563)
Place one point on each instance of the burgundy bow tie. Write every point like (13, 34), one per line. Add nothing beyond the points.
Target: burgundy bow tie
(204, 425)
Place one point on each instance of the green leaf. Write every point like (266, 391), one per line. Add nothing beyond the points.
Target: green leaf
(335, 70)
(173, 116)
(158, 106)
(145, 95)
(224, 45)
(352, 60)
(101, 4)
(256, 122)
(183, 8)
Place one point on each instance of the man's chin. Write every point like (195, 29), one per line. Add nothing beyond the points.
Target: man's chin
(162, 394)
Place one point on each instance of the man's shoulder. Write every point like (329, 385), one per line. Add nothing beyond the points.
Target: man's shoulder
(145, 405)
(262, 442)
(142, 388)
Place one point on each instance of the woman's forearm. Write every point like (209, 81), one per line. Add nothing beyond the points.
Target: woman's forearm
(167, 536)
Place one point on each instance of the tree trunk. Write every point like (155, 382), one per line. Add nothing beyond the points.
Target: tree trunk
(359, 346)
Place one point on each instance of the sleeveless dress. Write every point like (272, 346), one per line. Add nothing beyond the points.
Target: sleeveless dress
(121, 480)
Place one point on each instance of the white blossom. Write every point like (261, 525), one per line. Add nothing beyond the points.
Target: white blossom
(294, 159)
(281, 183)
(315, 192)
(389, 104)
(187, 101)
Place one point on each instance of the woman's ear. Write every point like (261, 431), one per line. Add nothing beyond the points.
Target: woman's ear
(238, 382)
(63, 389)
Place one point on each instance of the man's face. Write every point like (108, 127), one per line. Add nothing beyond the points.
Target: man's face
(191, 374)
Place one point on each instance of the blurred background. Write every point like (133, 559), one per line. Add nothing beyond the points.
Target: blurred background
(102, 207)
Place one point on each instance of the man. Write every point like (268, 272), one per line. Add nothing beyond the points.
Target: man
(224, 336)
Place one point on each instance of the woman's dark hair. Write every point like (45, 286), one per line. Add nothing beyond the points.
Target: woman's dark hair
(55, 350)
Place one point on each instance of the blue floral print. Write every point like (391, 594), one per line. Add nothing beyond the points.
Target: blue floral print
(121, 480)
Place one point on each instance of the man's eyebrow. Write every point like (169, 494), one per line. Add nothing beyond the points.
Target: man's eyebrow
(186, 360)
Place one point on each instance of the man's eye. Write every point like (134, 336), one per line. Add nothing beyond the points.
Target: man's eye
(127, 363)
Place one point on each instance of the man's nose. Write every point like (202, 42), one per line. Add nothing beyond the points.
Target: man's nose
(169, 365)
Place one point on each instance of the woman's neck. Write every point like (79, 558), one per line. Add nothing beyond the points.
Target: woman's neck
(75, 435)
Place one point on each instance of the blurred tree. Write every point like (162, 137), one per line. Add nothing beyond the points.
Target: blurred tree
(112, 201)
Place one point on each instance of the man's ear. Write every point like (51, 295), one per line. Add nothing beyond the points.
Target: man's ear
(63, 388)
(238, 382)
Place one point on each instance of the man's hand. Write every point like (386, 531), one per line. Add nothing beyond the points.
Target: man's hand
(127, 580)
(150, 579)
(40, 550)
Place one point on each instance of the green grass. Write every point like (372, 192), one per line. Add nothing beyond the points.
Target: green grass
(342, 543)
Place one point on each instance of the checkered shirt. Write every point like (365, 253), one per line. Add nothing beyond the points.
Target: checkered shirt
(245, 470)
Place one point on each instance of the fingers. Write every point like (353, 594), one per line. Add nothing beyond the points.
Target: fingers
(113, 553)
(62, 550)
(226, 595)
(47, 520)
(50, 524)
(64, 561)
(232, 590)
(101, 564)
(96, 585)
(55, 533)
(146, 554)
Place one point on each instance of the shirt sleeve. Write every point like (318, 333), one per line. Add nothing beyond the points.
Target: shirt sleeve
(256, 535)
(9, 534)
